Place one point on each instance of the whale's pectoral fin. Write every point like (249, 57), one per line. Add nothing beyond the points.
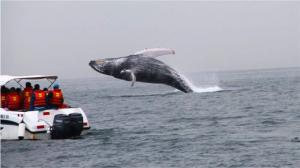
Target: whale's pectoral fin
(133, 78)
(155, 52)
(132, 75)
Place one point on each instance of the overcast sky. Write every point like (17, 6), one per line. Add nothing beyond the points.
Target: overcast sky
(62, 37)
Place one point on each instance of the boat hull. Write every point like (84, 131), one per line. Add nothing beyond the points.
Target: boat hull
(33, 125)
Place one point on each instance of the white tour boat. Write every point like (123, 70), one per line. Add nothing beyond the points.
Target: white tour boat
(46, 124)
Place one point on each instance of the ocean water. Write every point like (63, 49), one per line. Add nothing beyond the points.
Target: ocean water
(236, 119)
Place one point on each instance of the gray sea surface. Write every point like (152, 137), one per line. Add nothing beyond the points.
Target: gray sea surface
(253, 121)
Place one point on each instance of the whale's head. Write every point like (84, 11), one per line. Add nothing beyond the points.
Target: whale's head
(104, 66)
(108, 66)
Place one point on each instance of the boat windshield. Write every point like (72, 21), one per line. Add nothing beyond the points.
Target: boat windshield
(43, 80)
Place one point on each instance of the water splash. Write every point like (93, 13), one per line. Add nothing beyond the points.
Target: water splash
(196, 89)
(206, 89)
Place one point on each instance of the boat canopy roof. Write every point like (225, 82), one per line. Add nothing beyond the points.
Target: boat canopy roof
(6, 78)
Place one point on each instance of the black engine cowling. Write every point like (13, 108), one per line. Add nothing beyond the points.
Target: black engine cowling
(61, 126)
(76, 124)
(67, 126)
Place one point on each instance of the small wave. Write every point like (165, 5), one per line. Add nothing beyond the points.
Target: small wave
(167, 93)
(154, 94)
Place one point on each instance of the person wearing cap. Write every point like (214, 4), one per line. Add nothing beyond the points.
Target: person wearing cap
(55, 97)
(26, 94)
(38, 99)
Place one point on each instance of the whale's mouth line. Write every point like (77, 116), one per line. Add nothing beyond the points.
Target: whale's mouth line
(93, 64)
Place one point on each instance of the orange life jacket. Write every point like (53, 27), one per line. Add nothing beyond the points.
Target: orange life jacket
(57, 97)
(26, 103)
(3, 100)
(13, 101)
(27, 93)
(40, 98)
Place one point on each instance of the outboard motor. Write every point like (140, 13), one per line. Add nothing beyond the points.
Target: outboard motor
(76, 124)
(61, 127)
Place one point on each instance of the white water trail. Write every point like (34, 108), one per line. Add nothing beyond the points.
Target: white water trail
(196, 89)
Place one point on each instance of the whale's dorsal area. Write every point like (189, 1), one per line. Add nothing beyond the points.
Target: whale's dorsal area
(155, 52)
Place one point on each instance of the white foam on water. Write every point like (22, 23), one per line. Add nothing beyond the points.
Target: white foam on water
(206, 89)
(197, 89)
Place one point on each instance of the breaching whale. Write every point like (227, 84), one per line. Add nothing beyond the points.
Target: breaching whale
(142, 67)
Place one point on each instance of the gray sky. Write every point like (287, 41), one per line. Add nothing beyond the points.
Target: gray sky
(61, 37)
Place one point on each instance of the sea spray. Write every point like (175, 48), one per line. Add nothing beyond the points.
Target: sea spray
(197, 89)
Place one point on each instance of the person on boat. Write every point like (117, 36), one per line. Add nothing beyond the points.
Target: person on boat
(55, 97)
(47, 98)
(27, 93)
(27, 90)
(46, 91)
(4, 93)
(19, 91)
(13, 100)
(38, 99)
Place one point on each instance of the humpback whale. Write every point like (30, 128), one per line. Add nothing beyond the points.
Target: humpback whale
(142, 67)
